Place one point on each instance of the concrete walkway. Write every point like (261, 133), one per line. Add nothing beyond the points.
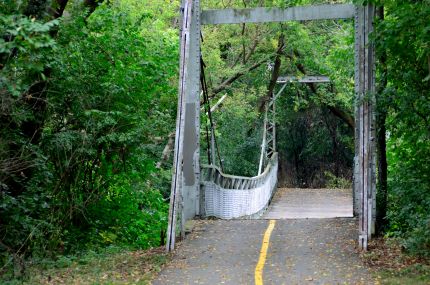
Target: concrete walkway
(300, 251)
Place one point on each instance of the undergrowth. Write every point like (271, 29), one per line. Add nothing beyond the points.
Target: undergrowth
(111, 265)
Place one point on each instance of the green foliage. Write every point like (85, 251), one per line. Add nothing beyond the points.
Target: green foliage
(418, 274)
(110, 265)
(236, 147)
(312, 143)
(25, 50)
(337, 182)
(130, 214)
(85, 112)
(404, 36)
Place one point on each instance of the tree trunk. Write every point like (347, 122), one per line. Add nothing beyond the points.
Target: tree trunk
(60, 9)
(167, 150)
(382, 191)
(275, 74)
(92, 5)
(233, 78)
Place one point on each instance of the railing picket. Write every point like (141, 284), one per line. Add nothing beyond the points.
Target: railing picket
(249, 202)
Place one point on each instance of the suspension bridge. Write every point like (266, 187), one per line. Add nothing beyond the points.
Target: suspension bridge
(200, 190)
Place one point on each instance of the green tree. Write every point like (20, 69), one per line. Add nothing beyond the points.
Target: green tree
(87, 102)
(403, 41)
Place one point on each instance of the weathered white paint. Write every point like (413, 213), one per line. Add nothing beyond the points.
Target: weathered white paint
(304, 79)
(365, 178)
(184, 198)
(265, 15)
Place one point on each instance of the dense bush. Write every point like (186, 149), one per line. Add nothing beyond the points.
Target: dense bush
(404, 37)
(87, 104)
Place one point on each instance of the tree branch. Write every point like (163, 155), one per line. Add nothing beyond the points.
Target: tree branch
(233, 78)
(167, 150)
(275, 74)
(341, 114)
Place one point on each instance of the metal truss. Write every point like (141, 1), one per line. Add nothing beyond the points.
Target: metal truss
(185, 199)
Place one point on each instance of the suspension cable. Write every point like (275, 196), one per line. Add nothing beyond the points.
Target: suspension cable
(207, 109)
(209, 113)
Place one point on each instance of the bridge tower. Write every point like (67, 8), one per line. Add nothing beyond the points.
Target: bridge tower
(184, 197)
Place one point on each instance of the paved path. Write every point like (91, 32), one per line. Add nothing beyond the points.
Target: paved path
(310, 203)
(300, 251)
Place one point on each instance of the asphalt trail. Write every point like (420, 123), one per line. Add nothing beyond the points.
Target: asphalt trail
(299, 251)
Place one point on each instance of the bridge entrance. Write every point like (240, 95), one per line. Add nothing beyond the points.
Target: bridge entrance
(205, 190)
(307, 203)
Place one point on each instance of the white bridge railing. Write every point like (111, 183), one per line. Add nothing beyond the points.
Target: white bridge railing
(228, 196)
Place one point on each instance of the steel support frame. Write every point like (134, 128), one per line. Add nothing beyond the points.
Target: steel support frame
(185, 190)
(272, 14)
(268, 146)
(365, 153)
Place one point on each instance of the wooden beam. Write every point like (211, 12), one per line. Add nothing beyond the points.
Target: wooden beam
(265, 15)
(304, 79)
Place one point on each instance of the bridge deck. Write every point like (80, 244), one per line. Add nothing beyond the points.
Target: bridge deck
(310, 203)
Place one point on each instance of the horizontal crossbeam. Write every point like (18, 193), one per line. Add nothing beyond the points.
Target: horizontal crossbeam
(304, 79)
(265, 15)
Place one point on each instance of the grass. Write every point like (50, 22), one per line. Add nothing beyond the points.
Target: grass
(112, 266)
(417, 274)
(392, 266)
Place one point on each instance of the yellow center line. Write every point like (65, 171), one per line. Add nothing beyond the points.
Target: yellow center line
(263, 254)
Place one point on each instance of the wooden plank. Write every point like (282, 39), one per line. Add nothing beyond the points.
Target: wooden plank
(266, 15)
